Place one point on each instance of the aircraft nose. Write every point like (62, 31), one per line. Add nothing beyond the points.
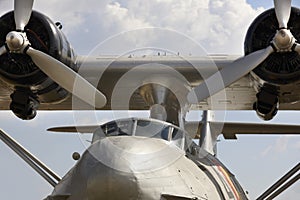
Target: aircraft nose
(118, 161)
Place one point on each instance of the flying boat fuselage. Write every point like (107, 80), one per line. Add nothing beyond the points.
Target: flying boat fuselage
(145, 159)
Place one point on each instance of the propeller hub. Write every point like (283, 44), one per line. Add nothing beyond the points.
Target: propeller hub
(283, 40)
(16, 41)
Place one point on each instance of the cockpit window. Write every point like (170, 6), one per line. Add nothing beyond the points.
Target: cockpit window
(116, 128)
(145, 128)
(177, 137)
(152, 129)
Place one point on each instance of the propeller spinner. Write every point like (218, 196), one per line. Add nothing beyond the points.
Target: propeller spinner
(17, 42)
(283, 41)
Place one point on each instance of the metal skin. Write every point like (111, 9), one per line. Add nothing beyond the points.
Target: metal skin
(16, 41)
(235, 75)
(91, 179)
(283, 12)
(147, 158)
(22, 13)
(136, 167)
(284, 40)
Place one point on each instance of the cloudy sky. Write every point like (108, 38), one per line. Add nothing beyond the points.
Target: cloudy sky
(219, 26)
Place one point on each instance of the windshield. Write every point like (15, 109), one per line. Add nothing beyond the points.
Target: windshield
(145, 128)
(120, 127)
(152, 129)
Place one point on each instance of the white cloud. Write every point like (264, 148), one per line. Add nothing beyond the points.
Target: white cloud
(72, 14)
(220, 26)
(266, 151)
(280, 146)
(215, 24)
(121, 18)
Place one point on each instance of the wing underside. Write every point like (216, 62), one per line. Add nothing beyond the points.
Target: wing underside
(231, 129)
(113, 78)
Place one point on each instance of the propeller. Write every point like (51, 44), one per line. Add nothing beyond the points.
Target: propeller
(17, 42)
(283, 12)
(283, 41)
(229, 74)
(67, 78)
(297, 48)
(22, 13)
(2, 50)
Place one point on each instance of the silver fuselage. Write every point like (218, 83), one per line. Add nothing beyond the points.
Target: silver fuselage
(139, 167)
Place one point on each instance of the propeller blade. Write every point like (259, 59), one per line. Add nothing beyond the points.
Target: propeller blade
(66, 78)
(22, 13)
(283, 11)
(2, 50)
(228, 74)
(297, 48)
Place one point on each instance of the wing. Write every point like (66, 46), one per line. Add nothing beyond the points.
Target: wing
(120, 76)
(46, 74)
(112, 75)
(231, 129)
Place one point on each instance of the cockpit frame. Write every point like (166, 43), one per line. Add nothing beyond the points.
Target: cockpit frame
(144, 127)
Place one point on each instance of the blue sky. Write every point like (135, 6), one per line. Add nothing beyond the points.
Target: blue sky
(257, 161)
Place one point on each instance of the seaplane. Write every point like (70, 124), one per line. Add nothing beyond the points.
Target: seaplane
(164, 156)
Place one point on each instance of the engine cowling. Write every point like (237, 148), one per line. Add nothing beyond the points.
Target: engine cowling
(31, 86)
(278, 68)
(276, 77)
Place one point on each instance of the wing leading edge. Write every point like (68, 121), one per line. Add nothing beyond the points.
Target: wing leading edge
(110, 75)
(113, 76)
(228, 129)
(231, 129)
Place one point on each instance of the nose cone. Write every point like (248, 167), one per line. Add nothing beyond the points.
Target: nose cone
(120, 159)
(107, 183)
(14, 40)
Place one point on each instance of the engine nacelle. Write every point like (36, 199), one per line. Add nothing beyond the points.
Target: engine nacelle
(267, 104)
(277, 77)
(31, 86)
